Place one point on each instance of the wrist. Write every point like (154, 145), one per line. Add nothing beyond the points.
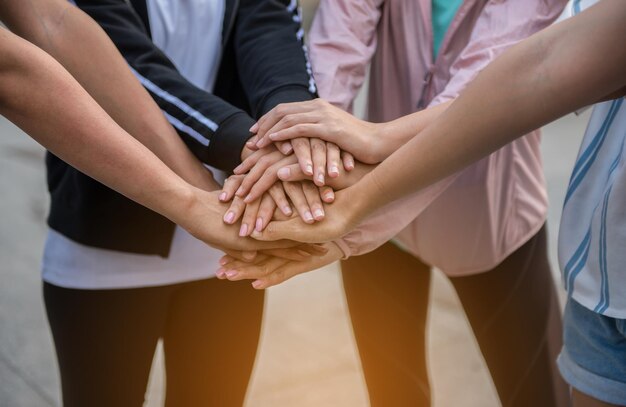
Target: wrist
(384, 143)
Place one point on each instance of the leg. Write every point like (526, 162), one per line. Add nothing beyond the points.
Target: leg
(210, 342)
(582, 400)
(514, 312)
(387, 292)
(105, 341)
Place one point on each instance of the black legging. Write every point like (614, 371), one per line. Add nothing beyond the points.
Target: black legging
(513, 311)
(105, 342)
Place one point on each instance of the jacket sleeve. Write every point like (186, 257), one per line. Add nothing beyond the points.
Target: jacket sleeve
(343, 41)
(500, 25)
(272, 60)
(214, 130)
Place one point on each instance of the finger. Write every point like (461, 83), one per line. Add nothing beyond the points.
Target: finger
(291, 120)
(296, 194)
(348, 161)
(249, 218)
(313, 249)
(251, 143)
(333, 158)
(284, 147)
(289, 254)
(238, 270)
(245, 255)
(292, 173)
(276, 114)
(250, 161)
(266, 211)
(302, 150)
(318, 153)
(312, 194)
(231, 185)
(278, 195)
(269, 178)
(234, 212)
(327, 194)
(257, 172)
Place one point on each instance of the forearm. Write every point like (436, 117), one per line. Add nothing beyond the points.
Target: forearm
(543, 78)
(80, 45)
(34, 90)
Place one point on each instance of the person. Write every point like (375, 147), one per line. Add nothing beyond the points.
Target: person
(422, 54)
(117, 276)
(559, 70)
(82, 133)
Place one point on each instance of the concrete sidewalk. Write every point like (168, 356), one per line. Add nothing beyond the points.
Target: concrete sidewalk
(306, 318)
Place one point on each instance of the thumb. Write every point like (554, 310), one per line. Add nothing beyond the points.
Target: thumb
(277, 230)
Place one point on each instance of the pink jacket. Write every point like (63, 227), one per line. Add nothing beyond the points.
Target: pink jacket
(472, 220)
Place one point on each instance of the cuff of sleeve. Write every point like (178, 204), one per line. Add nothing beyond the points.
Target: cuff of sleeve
(229, 140)
(286, 94)
(343, 245)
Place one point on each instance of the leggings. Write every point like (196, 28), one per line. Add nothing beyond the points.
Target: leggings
(105, 342)
(512, 309)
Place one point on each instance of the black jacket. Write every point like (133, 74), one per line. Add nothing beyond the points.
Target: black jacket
(263, 64)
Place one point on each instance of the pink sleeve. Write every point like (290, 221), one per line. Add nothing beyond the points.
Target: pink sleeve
(501, 24)
(342, 41)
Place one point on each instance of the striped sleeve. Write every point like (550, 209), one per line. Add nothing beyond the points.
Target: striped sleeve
(214, 130)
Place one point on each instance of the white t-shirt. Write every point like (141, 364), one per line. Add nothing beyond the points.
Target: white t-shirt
(190, 34)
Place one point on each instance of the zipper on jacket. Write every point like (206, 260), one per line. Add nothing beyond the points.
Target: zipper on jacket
(425, 88)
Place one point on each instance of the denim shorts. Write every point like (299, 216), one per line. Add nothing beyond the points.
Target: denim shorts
(593, 358)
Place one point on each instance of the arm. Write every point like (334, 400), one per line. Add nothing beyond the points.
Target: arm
(565, 67)
(55, 26)
(214, 130)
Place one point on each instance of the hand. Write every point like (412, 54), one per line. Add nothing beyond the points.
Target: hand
(315, 157)
(261, 178)
(293, 173)
(202, 217)
(267, 271)
(256, 215)
(318, 118)
(346, 212)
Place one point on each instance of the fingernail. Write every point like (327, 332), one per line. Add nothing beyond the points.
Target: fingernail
(239, 191)
(319, 214)
(259, 224)
(257, 284)
(230, 217)
(231, 273)
(287, 149)
(253, 129)
(259, 143)
(287, 210)
(309, 169)
(220, 272)
(273, 136)
(351, 164)
(334, 170)
(329, 197)
(223, 261)
(223, 196)
(308, 217)
(244, 230)
(237, 169)
(304, 253)
(284, 173)
(320, 178)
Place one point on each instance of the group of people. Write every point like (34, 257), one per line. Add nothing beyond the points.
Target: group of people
(445, 173)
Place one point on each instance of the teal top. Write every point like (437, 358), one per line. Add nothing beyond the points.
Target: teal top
(443, 11)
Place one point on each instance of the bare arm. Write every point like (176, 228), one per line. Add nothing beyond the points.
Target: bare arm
(563, 68)
(82, 47)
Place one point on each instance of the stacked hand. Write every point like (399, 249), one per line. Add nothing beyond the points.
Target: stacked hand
(284, 189)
